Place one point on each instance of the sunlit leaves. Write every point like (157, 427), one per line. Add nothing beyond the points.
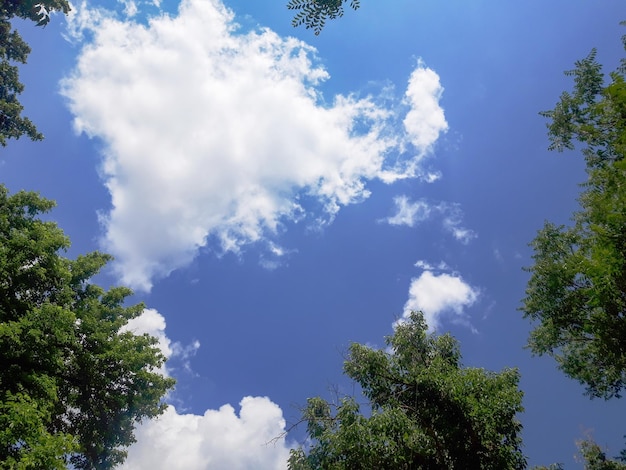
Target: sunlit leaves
(595, 458)
(577, 290)
(72, 386)
(424, 410)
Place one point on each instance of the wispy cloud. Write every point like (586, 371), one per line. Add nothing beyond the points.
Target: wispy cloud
(425, 265)
(411, 213)
(218, 439)
(275, 256)
(214, 134)
(452, 222)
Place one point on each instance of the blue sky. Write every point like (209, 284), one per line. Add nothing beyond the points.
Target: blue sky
(273, 196)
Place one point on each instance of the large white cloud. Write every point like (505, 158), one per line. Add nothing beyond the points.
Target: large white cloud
(210, 133)
(216, 440)
(439, 295)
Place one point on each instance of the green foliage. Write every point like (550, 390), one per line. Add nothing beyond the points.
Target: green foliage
(426, 411)
(72, 386)
(594, 458)
(594, 114)
(577, 289)
(314, 13)
(13, 49)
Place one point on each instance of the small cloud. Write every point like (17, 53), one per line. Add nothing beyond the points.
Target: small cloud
(275, 256)
(426, 266)
(425, 121)
(453, 218)
(277, 250)
(409, 213)
(185, 352)
(463, 235)
(431, 177)
(439, 296)
(270, 264)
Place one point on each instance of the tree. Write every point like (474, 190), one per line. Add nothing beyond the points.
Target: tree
(426, 410)
(593, 457)
(577, 290)
(73, 383)
(14, 49)
(314, 13)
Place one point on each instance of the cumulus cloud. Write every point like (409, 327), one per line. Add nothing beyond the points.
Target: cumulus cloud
(439, 295)
(425, 121)
(411, 213)
(211, 134)
(217, 440)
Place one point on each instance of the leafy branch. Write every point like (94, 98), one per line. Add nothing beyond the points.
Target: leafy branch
(314, 13)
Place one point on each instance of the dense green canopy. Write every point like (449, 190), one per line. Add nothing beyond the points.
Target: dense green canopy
(427, 411)
(72, 383)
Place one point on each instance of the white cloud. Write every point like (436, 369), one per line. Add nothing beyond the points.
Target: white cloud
(452, 223)
(441, 266)
(439, 295)
(153, 323)
(213, 134)
(275, 256)
(425, 121)
(411, 213)
(463, 235)
(81, 18)
(216, 440)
